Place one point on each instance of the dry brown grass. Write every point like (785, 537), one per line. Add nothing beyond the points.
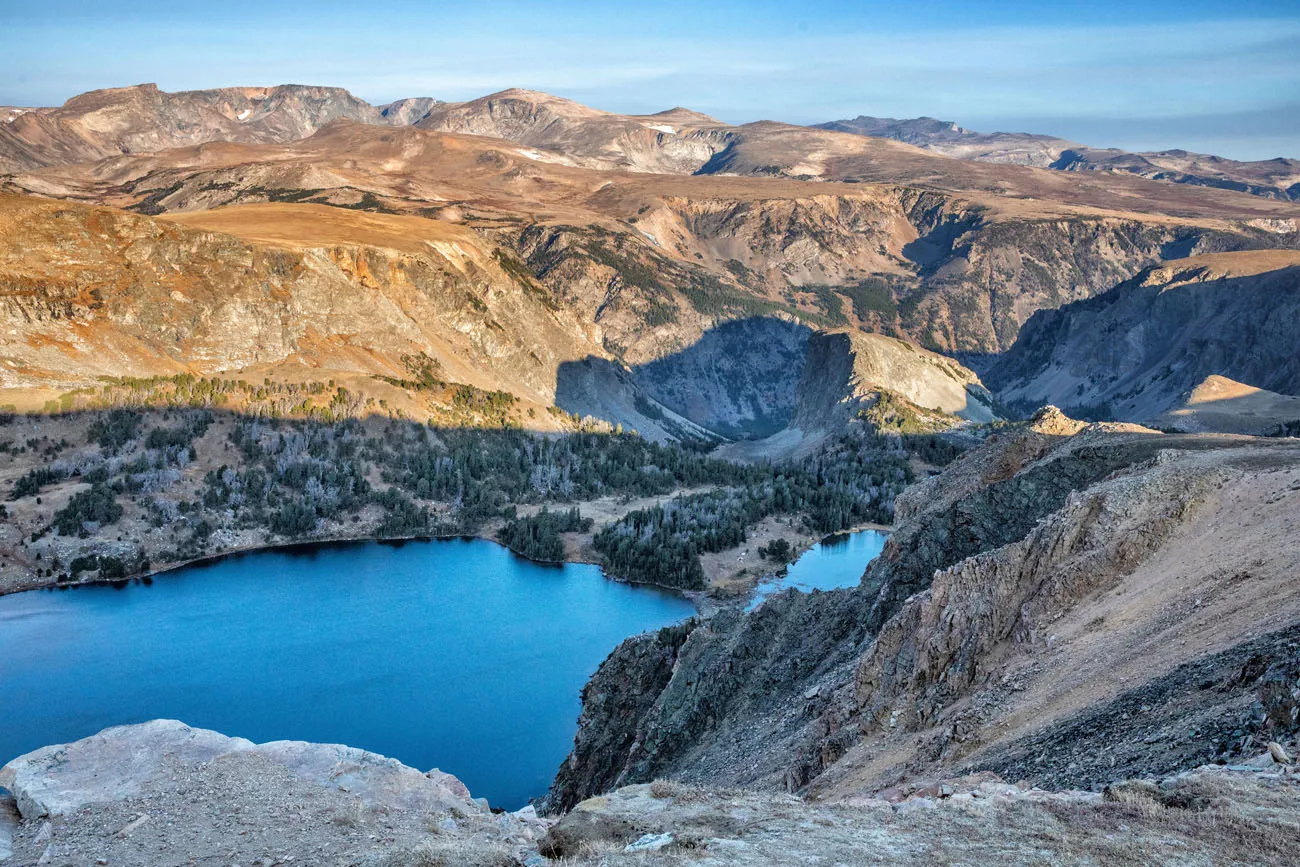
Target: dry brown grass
(1239, 822)
(451, 853)
(305, 225)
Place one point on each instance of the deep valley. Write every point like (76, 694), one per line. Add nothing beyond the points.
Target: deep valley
(1060, 381)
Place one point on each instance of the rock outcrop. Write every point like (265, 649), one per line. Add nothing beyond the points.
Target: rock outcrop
(160, 793)
(975, 819)
(127, 760)
(148, 794)
(1044, 565)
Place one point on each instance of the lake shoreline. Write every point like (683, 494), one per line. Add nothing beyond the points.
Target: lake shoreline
(372, 644)
(706, 603)
(308, 545)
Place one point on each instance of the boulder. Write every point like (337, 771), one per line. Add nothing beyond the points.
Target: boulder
(125, 761)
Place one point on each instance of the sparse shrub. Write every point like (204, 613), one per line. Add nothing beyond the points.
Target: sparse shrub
(98, 504)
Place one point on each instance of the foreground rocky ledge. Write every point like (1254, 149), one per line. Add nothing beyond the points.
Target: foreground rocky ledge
(162, 793)
(165, 793)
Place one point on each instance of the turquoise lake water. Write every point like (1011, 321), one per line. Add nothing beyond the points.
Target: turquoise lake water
(453, 654)
(834, 562)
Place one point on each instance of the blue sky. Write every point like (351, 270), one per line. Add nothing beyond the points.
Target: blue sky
(1211, 76)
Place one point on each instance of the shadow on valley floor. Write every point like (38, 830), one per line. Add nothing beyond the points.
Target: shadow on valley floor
(738, 381)
(779, 382)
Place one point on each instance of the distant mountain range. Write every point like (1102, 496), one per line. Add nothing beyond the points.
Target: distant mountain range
(1276, 178)
(567, 255)
(143, 118)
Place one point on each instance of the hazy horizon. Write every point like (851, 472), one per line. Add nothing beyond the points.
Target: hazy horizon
(1168, 75)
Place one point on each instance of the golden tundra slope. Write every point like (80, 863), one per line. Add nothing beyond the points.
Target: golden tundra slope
(92, 291)
(953, 254)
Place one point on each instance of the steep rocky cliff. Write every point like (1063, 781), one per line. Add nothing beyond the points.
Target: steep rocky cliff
(1066, 566)
(847, 371)
(90, 292)
(850, 378)
(1135, 351)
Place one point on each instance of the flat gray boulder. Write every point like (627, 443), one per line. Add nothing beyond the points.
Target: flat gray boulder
(126, 761)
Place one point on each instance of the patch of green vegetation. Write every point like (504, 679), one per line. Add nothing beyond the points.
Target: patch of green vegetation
(151, 205)
(647, 409)
(894, 414)
(423, 374)
(115, 429)
(368, 202)
(526, 279)
(31, 482)
(829, 302)
(98, 505)
(1287, 429)
(778, 551)
(872, 295)
(537, 537)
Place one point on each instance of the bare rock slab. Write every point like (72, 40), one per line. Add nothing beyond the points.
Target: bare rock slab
(126, 760)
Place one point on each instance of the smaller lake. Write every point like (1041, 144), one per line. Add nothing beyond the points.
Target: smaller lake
(453, 654)
(834, 562)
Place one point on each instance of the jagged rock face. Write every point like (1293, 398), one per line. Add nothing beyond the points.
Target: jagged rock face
(1165, 331)
(632, 677)
(986, 284)
(846, 371)
(932, 651)
(95, 291)
(105, 123)
(1008, 568)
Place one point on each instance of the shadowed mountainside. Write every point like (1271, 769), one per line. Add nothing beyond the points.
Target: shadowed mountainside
(1136, 351)
(1220, 404)
(780, 383)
